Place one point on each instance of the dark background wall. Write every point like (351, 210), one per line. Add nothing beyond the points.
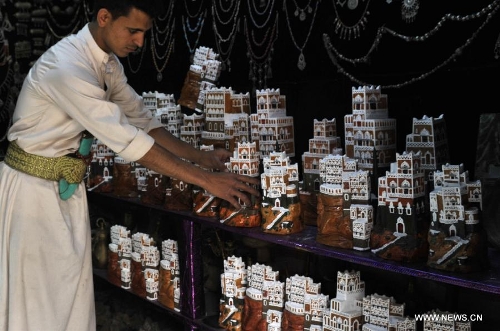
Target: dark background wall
(451, 71)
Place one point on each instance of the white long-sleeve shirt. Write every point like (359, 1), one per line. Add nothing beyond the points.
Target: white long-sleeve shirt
(76, 86)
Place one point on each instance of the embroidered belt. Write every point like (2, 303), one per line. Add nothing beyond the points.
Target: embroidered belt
(52, 168)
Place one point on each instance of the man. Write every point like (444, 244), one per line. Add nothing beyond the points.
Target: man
(79, 85)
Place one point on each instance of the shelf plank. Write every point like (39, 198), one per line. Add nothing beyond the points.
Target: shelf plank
(484, 281)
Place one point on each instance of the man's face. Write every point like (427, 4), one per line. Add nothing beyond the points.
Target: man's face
(125, 34)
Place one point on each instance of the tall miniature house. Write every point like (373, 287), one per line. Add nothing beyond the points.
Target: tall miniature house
(384, 313)
(227, 118)
(345, 215)
(264, 300)
(370, 135)
(400, 229)
(245, 161)
(346, 309)
(233, 285)
(304, 304)
(203, 74)
(457, 241)
(429, 138)
(325, 142)
(170, 114)
(280, 207)
(271, 128)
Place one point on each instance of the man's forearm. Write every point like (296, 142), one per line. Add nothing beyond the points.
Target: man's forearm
(175, 145)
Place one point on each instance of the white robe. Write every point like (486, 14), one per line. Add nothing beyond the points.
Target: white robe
(46, 279)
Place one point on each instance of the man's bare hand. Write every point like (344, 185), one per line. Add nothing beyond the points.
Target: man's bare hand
(232, 187)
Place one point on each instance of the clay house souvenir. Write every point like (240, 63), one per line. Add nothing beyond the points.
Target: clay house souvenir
(437, 320)
(345, 311)
(345, 215)
(324, 143)
(457, 241)
(169, 282)
(400, 230)
(304, 304)
(227, 118)
(271, 128)
(429, 138)
(205, 203)
(233, 285)
(370, 135)
(203, 74)
(245, 161)
(179, 194)
(264, 299)
(381, 312)
(100, 171)
(280, 208)
(169, 113)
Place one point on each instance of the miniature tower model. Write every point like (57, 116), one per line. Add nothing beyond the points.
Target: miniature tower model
(456, 239)
(429, 137)
(402, 222)
(264, 300)
(271, 129)
(280, 202)
(384, 313)
(439, 320)
(205, 203)
(245, 161)
(346, 309)
(170, 114)
(192, 128)
(325, 142)
(304, 304)
(203, 74)
(100, 171)
(227, 120)
(233, 284)
(345, 216)
(370, 135)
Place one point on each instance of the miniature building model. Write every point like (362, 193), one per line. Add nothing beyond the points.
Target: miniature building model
(429, 138)
(456, 239)
(439, 320)
(202, 75)
(245, 161)
(345, 216)
(304, 304)
(271, 129)
(325, 142)
(402, 221)
(264, 300)
(346, 309)
(227, 120)
(384, 313)
(233, 285)
(192, 128)
(370, 135)
(100, 170)
(280, 202)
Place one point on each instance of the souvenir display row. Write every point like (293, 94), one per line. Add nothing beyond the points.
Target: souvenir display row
(409, 206)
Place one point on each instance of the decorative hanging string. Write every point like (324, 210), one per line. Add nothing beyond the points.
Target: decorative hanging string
(166, 55)
(334, 55)
(197, 29)
(218, 22)
(301, 64)
(259, 52)
(345, 31)
(409, 10)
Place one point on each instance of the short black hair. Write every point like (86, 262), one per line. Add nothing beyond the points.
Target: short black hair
(119, 8)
